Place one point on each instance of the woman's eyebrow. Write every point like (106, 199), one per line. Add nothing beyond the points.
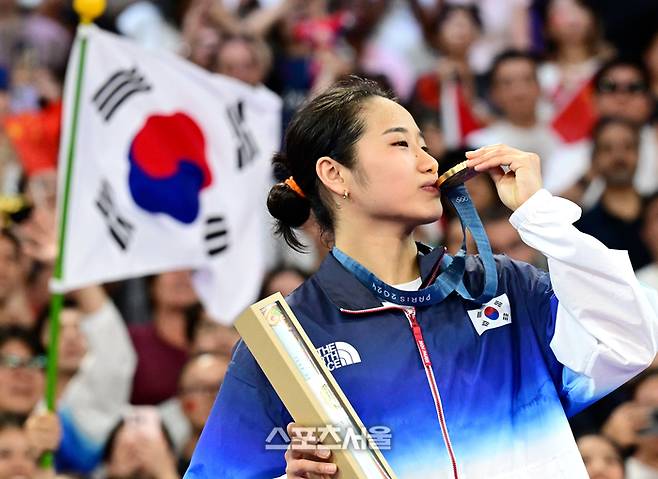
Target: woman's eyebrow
(401, 129)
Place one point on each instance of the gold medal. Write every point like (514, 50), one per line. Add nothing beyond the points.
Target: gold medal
(456, 175)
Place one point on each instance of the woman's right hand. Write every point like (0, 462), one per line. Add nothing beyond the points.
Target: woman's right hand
(303, 456)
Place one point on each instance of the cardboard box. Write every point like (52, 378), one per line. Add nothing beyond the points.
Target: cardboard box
(307, 388)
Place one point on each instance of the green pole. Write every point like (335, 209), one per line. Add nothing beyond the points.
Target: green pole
(57, 299)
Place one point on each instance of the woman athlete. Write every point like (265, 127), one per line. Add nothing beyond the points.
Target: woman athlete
(464, 389)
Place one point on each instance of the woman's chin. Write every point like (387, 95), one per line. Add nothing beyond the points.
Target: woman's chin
(433, 216)
(427, 219)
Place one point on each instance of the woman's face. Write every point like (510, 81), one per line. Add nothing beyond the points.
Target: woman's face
(174, 289)
(568, 22)
(601, 459)
(457, 33)
(394, 175)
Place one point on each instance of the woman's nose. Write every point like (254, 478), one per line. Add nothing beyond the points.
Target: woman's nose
(427, 162)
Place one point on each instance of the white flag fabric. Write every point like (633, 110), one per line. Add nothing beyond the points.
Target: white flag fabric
(171, 171)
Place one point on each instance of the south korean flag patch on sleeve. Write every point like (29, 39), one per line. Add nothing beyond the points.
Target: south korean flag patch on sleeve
(494, 314)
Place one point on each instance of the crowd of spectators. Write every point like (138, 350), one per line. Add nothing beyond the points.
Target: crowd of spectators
(140, 363)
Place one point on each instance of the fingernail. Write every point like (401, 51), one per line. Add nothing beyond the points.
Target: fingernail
(325, 453)
(329, 468)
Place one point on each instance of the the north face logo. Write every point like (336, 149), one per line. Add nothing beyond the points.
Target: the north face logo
(339, 354)
(494, 314)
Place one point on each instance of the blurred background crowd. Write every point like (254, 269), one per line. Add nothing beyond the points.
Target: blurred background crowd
(140, 363)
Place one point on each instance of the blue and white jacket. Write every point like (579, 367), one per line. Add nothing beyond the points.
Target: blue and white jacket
(503, 377)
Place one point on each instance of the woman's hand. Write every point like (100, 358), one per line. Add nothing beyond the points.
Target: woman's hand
(44, 432)
(521, 181)
(303, 456)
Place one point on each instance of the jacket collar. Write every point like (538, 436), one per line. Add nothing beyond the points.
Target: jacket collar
(347, 292)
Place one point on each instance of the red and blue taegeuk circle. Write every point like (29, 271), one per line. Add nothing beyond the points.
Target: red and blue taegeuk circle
(491, 313)
(168, 166)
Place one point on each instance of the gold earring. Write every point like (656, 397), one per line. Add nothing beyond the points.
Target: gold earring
(346, 195)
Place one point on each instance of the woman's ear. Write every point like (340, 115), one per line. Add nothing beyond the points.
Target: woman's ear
(331, 174)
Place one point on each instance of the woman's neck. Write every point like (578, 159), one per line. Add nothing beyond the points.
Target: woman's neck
(572, 54)
(391, 256)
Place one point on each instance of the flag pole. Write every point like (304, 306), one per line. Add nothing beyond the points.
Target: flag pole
(88, 10)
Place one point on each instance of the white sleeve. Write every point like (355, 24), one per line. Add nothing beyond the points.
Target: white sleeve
(100, 390)
(606, 324)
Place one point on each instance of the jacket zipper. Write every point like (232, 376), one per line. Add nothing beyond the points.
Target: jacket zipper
(410, 313)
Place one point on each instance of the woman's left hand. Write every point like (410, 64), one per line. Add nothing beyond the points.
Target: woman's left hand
(521, 181)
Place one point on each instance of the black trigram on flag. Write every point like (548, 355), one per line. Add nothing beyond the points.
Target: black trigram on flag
(216, 235)
(120, 229)
(117, 89)
(247, 150)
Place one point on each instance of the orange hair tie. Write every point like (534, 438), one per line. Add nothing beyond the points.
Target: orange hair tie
(294, 186)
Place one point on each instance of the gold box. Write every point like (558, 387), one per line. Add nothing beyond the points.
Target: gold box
(307, 388)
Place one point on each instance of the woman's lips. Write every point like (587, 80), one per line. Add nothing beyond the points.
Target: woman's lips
(431, 189)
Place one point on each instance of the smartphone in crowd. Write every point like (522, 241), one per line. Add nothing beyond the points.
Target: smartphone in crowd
(144, 422)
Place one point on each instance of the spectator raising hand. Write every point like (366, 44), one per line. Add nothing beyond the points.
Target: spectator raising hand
(139, 447)
(38, 235)
(44, 432)
(96, 359)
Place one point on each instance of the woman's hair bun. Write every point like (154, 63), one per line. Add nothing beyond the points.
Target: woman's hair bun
(280, 169)
(287, 206)
(290, 208)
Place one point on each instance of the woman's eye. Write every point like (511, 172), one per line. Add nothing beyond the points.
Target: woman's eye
(400, 143)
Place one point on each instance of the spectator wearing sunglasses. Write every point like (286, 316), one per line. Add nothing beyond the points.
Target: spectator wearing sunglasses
(22, 385)
(94, 375)
(622, 91)
(96, 363)
(21, 371)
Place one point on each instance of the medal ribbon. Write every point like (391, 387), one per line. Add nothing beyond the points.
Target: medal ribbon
(451, 279)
